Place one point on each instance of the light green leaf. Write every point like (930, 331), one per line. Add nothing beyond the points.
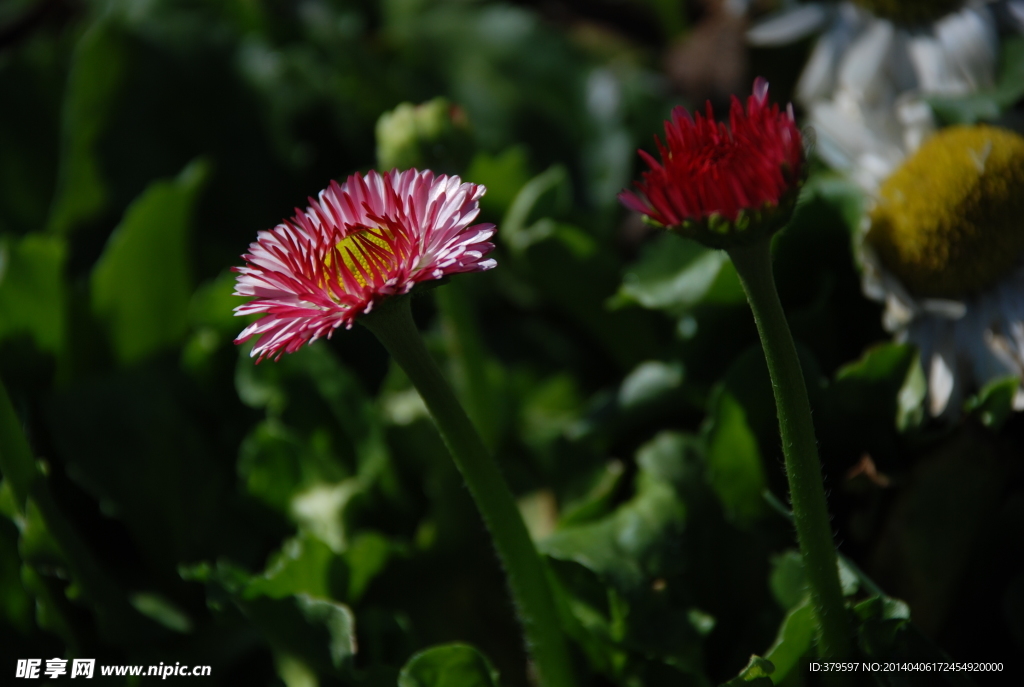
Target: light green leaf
(304, 565)
(449, 665)
(755, 674)
(161, 610)
(648, 381)
(993, 405)
(141, 285)
(910, 411)
(794, 639)
(676, 274)
(547, 193)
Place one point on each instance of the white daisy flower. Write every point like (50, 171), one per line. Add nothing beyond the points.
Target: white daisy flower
(943, 249)
(864, 85)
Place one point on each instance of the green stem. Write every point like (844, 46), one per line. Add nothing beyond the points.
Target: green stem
(392, 323)
(810, 513)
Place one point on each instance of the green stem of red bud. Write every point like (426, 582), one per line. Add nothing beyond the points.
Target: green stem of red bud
(753, 263)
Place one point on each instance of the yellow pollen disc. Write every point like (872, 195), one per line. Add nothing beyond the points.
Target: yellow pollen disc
(910, 11)
(950, 221)
(353, 251)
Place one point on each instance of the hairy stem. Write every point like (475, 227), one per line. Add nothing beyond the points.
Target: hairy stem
(810, 513)
(392, 323)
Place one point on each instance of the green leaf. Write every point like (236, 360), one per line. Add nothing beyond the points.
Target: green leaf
(639, 540)
(96, 75)
(735, 467)
(275, 462)
(794, 639)
(503, 174)
(32, 296)
(317, 631)
(551, 407)
(598, 500)
(547, 193)
(880, 621)
(160, 609)
(838, 191)
(882, 386)
(15, 603)
(304, 565)
(141, 284)
(993, 405)
(648, 381)
(432, 135)
(339, 621)
(367, 556)
(788, 580)
(676, 274)
(17, 464)
(213, 303)
(448, 665)
(910, 410)
(755, 674)
(987, 104)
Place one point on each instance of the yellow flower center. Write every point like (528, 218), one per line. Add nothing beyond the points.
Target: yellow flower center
(910, 11)
(950, 221)
(358, 249)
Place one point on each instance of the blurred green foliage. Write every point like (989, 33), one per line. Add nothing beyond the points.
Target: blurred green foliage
(299, 522)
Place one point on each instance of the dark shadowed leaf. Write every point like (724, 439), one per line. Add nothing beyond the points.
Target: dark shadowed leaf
(96, 72)
(141, 286)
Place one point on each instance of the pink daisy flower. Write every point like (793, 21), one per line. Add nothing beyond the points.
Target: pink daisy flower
(357, 243)
(712, 179)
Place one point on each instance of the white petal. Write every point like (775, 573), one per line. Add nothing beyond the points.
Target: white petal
(819, 76)
(862, 70)
(941, 307)
(1015, 9)
(971, 43)
(941, 376)
(789, 26)
(934, 72)
(917, 119)
(841, 137)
